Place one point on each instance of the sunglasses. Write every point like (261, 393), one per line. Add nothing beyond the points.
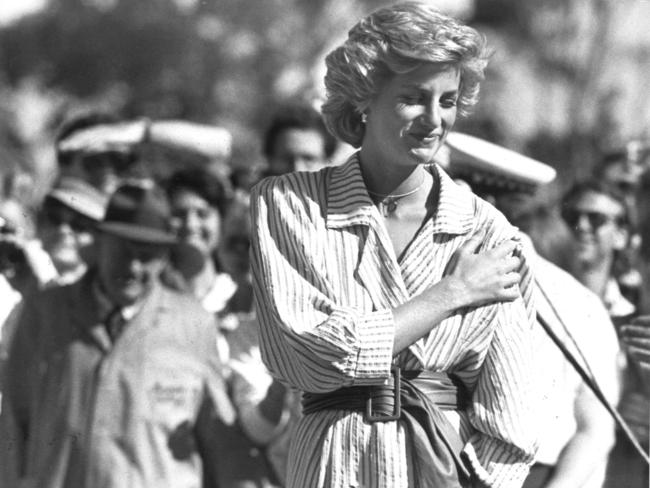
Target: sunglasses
(596, 220)
(57, 218)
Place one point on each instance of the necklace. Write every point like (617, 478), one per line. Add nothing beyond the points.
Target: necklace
(388, 203)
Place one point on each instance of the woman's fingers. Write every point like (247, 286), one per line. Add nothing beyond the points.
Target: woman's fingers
(511, 279)
(511, 263)
(504, 249)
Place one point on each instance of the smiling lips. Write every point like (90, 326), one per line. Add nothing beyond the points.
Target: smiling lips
(425, 139)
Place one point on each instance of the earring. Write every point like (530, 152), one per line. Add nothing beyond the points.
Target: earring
(364, 118)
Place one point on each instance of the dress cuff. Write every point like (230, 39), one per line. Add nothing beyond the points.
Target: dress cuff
(376, 335)
(499, 468)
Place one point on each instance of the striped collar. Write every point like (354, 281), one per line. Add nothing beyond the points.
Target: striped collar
(348, 202)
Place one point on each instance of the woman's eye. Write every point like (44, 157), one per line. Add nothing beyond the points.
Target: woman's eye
(448, 102)
(412, 100)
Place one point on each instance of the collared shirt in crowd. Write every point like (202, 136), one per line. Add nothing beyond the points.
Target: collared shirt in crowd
(326, 277)
(83, 411)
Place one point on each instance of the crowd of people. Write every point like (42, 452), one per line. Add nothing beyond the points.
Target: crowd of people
(388, 317)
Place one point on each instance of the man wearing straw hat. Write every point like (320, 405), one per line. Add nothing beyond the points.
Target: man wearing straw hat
(114, 381)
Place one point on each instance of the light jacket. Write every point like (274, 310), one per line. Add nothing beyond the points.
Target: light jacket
(146, 411)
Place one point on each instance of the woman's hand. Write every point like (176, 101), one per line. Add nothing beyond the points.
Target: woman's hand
(470, 279)
(485, 277)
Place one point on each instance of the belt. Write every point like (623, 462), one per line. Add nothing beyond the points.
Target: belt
(417, 398)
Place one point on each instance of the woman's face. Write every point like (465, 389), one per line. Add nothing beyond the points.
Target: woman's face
(412, 114)
(195, 221)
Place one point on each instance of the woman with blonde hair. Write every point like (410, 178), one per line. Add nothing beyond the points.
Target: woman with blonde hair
(396, 301)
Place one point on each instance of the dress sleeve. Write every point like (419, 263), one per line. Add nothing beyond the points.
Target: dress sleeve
(503, 445)
(505, 399)
(307, 340)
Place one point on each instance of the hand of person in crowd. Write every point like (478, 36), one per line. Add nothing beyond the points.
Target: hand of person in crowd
(636, 339)
(485, 277)
(119, 137)
(23, 262)
(209, 141)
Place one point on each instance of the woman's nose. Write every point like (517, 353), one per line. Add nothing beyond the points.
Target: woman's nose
(431, 117)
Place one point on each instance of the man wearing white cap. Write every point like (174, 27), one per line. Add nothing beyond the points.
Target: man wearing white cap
(107, 151)
(577, 432)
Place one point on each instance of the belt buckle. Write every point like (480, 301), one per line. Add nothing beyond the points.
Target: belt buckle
(397, 403)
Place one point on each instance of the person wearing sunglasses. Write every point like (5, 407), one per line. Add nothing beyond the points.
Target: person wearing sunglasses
(624, 468)
(576, 432)
(597, 214)
(598, 218)
(66, 226)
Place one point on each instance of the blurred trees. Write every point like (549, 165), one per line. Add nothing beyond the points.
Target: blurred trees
(221, 61)
(551, 90)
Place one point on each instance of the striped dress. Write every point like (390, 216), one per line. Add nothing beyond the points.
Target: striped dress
(326, 278)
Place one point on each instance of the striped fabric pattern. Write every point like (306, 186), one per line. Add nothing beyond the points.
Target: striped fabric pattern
(326, 278)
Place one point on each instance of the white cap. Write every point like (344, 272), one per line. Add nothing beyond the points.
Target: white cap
(483, 162)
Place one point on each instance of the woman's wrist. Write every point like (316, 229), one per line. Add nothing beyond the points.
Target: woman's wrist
(455, 293)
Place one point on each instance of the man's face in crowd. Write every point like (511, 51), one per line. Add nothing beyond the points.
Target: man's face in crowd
(104, 171)
(594, 220)
(127, 269)
(297, 150)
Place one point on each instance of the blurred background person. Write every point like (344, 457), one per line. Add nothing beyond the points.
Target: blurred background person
(53, 247)
(600, 224)
(199, 204)
(577, 432)
(67, 221)
(625, 468)
(119, 150)
(159, 395)
(103, 166)
(622, 168)
(296, 140)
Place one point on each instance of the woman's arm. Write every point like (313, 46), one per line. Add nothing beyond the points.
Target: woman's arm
(308, 339)
(472, 280)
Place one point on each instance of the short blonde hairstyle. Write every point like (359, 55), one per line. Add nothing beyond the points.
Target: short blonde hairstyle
(395, 40)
